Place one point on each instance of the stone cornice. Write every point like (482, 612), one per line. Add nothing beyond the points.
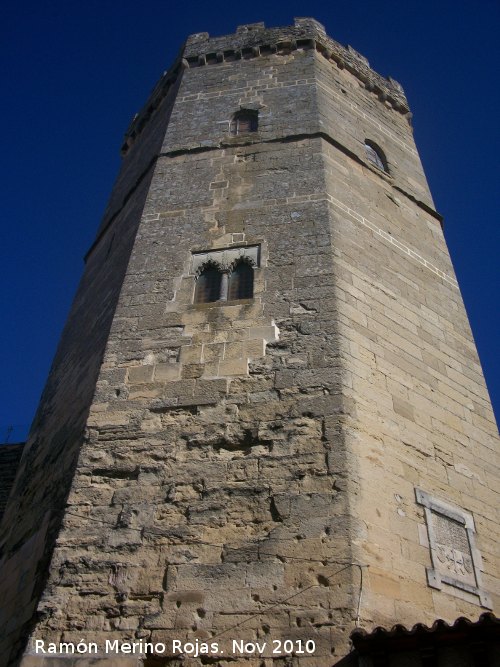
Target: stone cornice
(254, 41)
(190, 150)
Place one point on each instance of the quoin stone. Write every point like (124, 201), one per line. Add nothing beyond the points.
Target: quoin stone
(266, 423)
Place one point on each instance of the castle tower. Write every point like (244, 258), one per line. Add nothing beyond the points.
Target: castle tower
(266, 419)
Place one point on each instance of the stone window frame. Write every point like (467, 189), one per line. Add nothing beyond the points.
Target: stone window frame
(241, 281)
(435, 578)
(224, 260)
(244, 117)
(200, 290)
(376, 156)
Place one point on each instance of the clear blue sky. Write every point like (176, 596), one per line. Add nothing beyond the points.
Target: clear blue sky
(76, 72)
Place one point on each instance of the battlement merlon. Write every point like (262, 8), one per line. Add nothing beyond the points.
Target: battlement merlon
(253, 40)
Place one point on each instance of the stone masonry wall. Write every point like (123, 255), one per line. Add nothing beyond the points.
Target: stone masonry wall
(9, 460)
(422, 418)
(49, 457)
(251, 469)
(209, 493)
(33, 516)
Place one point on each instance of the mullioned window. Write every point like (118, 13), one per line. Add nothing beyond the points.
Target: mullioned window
(225, 275)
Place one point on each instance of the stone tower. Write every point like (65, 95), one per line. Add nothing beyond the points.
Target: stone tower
(266, 419)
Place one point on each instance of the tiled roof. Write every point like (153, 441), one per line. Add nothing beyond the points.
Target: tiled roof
(486, 628)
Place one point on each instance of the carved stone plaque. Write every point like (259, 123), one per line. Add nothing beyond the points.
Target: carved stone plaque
(452, 548)
(456, 560)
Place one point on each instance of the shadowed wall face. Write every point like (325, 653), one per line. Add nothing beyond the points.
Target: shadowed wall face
(10, 456)
(33, 516)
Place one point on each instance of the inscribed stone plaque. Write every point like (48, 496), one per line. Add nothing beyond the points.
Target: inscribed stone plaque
(456, 561)
(453, 553)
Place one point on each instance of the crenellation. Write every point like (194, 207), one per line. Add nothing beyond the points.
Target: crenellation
(256, 41)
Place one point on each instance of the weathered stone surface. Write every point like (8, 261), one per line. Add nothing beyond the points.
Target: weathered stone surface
(10, 455)
(231, 468)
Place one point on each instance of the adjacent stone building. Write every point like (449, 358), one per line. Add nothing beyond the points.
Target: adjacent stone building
(266, 421)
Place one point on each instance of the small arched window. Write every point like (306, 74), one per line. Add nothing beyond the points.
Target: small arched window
(375, 155)
(208, 285)
(245, 121)
(241, 282)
